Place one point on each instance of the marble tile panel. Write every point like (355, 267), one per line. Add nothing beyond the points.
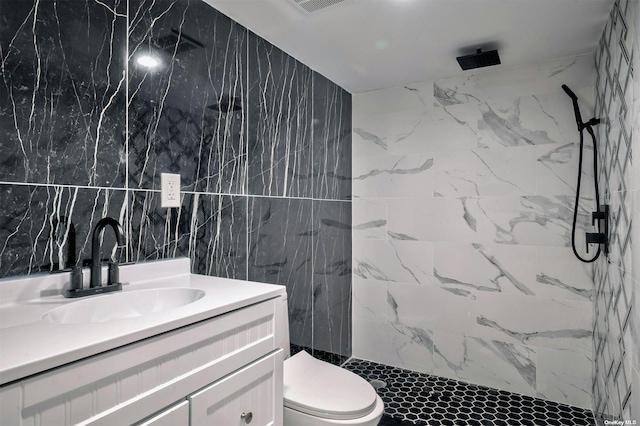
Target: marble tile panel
(564, 376)
(393, 260)
(635, 24)
(218, 224)
(635, 266)
(498, 171)
(414, 132)
(62, 116)
(332, 316)
(635, 60)
(528, 120)
(369, 218)
(624, 52)
(188, 115)
(372, 340)
(619, 156)
(433, 219)
(626, 376)
(532, 220)
(331, 140)
(410, 347)
(620, 230)
(369, 299)
(613, 160)
(560, 275)
(604, 154)
(466, 268)
(619, 388)
(38, 223)
(157, 232)
(621, 309)
(635, 144)
(393, 176)
(431, 307)
(554, 112)
(409, 97)
(279, 123)
(211, 230)
(635, 326)
(544, 77)
(496, 364)
(566, 324)
(557, 169)
(332, 276)
(281, 252)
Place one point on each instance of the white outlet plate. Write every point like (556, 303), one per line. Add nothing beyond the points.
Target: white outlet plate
(170, 190)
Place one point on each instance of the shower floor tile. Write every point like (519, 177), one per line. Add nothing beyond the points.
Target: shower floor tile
(413, 398)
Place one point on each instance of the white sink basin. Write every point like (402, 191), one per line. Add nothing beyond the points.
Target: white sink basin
(126, 304)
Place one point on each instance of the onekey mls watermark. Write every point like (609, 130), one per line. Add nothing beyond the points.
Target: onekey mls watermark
(620, 422)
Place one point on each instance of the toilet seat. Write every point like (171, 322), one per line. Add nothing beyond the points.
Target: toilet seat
(323, 390)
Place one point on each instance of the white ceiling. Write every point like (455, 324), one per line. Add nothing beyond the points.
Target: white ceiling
(371, 44)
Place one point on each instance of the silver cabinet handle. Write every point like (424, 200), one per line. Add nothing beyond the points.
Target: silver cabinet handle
(247, 417)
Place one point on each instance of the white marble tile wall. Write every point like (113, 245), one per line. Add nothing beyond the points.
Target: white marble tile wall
(463, 193)
(616, 382)
(635, 232)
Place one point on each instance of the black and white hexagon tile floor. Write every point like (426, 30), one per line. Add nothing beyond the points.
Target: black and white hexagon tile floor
(412, 398)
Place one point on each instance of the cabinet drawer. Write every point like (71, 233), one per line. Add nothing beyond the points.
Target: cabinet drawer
(131, 383)
(178, 415)
(252, 396)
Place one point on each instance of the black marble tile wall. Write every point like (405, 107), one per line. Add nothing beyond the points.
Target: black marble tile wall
(332, 276)
(187, 114)
(331, 140)
(262, 144)
(280, 117)
(62, 92)
(209, 229)
(36, 223)
(281, 237)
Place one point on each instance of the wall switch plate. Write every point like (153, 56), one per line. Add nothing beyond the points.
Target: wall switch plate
(170, 190)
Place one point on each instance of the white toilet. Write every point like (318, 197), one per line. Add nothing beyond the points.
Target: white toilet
(319, 393)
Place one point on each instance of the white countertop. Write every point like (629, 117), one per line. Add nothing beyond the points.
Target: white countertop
(29, 345)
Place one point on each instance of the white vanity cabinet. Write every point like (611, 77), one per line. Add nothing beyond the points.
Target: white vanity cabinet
(226, 370)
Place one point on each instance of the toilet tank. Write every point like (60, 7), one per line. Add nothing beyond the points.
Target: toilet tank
(282, 324)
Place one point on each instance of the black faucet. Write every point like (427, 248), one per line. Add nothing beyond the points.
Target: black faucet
(96, 265)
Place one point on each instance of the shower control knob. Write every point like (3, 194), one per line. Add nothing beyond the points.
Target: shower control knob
(247, 417)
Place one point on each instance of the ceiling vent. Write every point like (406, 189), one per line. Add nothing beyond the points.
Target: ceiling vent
(310, 6)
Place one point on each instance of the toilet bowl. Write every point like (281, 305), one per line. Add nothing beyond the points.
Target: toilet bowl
(318, 393)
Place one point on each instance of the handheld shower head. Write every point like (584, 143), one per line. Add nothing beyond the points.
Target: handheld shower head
(569, 92)
(576, 107)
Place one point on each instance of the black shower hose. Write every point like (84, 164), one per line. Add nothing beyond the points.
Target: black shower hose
(581, 127)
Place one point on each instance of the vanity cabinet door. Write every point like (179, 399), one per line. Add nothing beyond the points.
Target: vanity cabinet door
(177, 415)
(250, 396)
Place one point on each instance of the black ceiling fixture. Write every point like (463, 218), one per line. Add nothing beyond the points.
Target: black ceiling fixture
(479, 59)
